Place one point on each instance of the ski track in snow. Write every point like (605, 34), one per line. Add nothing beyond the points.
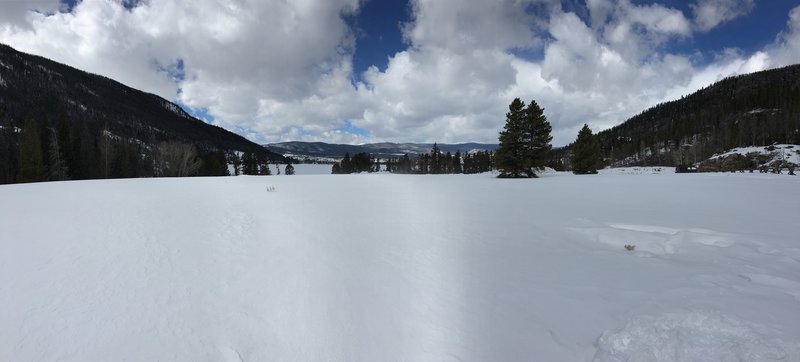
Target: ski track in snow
(388, 267)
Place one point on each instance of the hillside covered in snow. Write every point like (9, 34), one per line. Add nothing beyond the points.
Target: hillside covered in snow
(376, 267)
(777, 156)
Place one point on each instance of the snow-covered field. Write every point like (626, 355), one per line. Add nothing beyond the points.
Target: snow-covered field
(380, 267)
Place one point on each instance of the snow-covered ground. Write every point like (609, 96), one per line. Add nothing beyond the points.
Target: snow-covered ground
(377, 267)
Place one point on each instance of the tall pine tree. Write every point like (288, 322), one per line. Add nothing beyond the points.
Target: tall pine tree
(537, 139)
(8, 152)
(524, 141)
(58, 169)
(585, 153)
(509, 155)
(105, 152)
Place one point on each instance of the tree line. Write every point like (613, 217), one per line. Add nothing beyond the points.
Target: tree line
(434, 162)
(524, 148)
(62, 149)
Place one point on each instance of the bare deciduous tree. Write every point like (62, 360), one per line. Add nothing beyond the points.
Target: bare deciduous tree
(177, 159)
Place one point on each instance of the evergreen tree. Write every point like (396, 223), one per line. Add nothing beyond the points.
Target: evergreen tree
(585, 152)
(424, 162)
(249, 164)
(436, 160)
(536, 136)
(510, 153)
(213, 164)
(30, 162)
(237, 163)
(83, 152)
(57, 170)
(105, 153)
(457, 168)
(362, 162)
(263, 167)
(403, 165)
(289, 170)
(346, 164)
(124, 164)
(8, 153)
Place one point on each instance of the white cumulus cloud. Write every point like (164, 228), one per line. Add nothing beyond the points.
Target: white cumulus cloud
(277, 70)
(708, 14)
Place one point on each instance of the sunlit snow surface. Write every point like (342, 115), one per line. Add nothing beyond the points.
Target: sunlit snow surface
(380, 267)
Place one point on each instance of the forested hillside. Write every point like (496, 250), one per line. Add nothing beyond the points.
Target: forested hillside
(753, 109)
(69, 124)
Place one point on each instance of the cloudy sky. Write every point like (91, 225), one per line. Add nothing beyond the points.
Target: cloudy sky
(355, 71)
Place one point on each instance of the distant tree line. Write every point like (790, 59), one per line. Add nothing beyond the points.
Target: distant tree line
(435, 162)
(360, 162)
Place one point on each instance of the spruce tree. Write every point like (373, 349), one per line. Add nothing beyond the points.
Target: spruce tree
(457, 163)
(58, 169)
(105, 153)
(289, 170)
(263, 167)
(83, 152)
(346, 164)
(249, 164)
(585, 152)
(237, 163)
(8, 153)
(436, 160)
(510, 153)
(537, 139)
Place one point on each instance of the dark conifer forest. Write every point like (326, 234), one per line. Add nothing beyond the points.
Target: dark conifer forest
(59, 123)
(756, 109)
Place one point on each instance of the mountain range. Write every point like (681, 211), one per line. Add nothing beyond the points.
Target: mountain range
(385, 149)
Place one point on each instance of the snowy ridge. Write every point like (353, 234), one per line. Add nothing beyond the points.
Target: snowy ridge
(174, 108)
(402, 267)
(787, 152)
